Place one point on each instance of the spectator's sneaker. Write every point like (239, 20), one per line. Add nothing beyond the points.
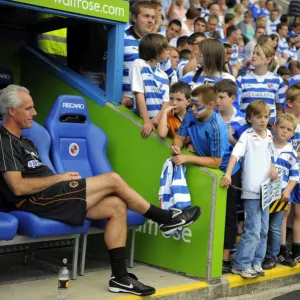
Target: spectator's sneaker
(249, 273)
(226, 267)
(129, 284)
(259, 270)
(269, 263)
(181, 219)
(285, 258)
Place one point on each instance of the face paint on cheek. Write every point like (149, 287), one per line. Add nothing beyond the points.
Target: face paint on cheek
(201, 109)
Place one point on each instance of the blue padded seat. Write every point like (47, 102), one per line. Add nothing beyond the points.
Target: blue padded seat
(8, 226)
(35, 227)
(133, 219)
(78, 145)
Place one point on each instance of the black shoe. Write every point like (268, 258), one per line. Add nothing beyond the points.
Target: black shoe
(226, 267)
(181, 219)
(296, 253)
(285, 258)
(269, 263)
(129, 284)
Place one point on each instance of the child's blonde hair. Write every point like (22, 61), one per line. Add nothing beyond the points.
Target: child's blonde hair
(256, 108)
(287, 117)
(293, 92)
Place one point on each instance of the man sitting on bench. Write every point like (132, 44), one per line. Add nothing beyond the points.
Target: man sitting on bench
(31, 186)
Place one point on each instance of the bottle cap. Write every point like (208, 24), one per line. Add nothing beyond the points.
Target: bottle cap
(65, 261)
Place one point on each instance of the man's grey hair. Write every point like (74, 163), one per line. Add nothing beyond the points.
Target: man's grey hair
(9, 97)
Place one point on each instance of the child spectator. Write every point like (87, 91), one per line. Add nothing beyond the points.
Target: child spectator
(254, 148)
(182, 43)
(209, 137)
(273, 22)
(185, 54)
(283, 47)
(211, 70)
(173, 114)
(233, 118)
(186, 66)
(293, 107)
(260, 84)
(174, 57)
(149, 84)
(284, 72)
(285, 161)
(291, 40)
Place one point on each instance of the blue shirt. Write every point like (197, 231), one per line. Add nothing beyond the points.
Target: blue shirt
(295, 79)
(210, 139)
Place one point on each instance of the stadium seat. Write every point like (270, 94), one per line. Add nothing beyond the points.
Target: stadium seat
(32, 228)
(78, 145)
(8, 226)
(6, 77)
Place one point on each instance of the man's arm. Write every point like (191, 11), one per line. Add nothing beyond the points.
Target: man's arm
(27, 186)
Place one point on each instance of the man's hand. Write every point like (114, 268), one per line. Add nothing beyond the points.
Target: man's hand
(180, 159)
(226, 181)
(69, 176)
(285, 196)
(175, 150)
(147, 128)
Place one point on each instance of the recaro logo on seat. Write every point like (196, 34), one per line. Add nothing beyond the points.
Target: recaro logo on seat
(73, 105)
(5, 76)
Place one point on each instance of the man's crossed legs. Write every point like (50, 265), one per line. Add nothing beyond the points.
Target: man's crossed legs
(109, 196)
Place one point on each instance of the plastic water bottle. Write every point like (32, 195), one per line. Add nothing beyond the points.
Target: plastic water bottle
(63, 281)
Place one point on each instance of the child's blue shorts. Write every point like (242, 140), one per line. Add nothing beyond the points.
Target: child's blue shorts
(295, 195)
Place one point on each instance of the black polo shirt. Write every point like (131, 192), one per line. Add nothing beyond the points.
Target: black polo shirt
(19, 154)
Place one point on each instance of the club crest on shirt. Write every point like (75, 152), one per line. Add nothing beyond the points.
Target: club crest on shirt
(73, 184)
(73, 149)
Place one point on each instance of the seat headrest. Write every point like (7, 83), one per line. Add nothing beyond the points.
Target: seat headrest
(68, 106)
(6, 77)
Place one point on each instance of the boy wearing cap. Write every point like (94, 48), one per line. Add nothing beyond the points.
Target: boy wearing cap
(209, 137)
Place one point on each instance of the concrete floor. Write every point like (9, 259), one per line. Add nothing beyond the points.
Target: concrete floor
(91, 286)
(269, 294)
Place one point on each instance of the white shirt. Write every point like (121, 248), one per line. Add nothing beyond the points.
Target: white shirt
(256, 165)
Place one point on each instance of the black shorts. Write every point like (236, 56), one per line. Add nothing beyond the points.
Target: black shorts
(64, 201)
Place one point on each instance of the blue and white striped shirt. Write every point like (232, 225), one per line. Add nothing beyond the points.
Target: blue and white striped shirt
(295, 140)
(283, 47)
(131, 53)
(237, 120)
(180, 66)
(268, 88)
(235, 52)
(295, 79)
(203, 79)
(272, 26)
(293, 53)
(285, 161)
(153, 83)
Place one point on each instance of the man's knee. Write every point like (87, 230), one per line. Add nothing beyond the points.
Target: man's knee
(119, 208)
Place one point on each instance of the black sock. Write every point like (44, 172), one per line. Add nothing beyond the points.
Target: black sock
(158, 215)
(118, 262)
(283, 247)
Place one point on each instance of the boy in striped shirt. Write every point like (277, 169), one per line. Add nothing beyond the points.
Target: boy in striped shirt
(293, 107)
(149, 84)
(233, 118)
(285, 160)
